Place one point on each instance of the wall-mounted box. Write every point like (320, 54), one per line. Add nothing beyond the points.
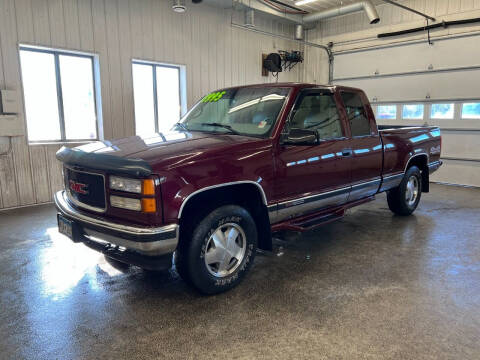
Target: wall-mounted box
(10, 125)
(9, 101)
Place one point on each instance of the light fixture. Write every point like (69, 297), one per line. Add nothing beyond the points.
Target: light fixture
(303, 2)
(179, 6)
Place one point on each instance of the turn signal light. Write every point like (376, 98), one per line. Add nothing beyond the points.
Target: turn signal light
(149, 205)
(148, 187)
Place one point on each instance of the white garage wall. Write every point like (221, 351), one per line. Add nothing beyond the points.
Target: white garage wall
(215, 55)
(405, 69)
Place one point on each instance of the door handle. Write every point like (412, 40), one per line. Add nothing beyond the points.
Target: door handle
(347, 152)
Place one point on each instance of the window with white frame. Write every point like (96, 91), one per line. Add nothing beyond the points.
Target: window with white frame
(387, 112)
(471, 110)
(442, 111)
(60, 97)
(412, 111)
(157, 95)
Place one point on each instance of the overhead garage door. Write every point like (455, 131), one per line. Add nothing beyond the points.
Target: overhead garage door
(447, 73)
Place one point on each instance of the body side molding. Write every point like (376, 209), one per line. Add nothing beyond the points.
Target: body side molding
(262, 192)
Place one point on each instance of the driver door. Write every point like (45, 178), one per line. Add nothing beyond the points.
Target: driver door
(312, 177)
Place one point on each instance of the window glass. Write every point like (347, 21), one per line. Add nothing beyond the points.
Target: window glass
(442, 111)
(59, 93)
(317, 111)
(387, 112)
(168, 97)
(40, 92)
(357, 117)
(144, 99)
(156, 91)
(78, 97)
(247, 111)
(414, 111)
(471, 111)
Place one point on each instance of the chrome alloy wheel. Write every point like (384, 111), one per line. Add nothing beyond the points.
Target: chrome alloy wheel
(412, 189)
(225, 250)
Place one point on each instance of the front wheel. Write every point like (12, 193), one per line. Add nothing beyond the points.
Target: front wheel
(404, 199)
(219, 251)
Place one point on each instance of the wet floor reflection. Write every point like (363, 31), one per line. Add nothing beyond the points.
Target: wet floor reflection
(64, 264)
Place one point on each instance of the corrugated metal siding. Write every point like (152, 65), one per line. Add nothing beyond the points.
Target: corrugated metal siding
(215, 55)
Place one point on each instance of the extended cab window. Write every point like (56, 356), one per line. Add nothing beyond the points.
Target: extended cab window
(357, 117)
(250, 111)
(318, 112)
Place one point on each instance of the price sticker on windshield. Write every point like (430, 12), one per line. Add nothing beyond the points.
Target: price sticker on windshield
(214, 97)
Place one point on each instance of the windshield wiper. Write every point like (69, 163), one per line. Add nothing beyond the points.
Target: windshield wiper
(181, 125)
(228, 127)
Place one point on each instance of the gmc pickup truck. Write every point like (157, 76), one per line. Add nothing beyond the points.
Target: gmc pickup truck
(242, 163)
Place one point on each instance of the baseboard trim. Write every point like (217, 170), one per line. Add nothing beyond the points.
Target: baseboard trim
(25, 206)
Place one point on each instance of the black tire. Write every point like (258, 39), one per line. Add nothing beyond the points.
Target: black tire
(190, 257)
(397, 198)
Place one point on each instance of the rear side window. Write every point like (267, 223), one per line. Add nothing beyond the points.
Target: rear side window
(318, 112)
(357, 117)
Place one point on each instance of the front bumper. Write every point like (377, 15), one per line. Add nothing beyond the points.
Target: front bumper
(143, 246)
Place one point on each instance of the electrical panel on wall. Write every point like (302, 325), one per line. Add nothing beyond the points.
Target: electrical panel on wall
(9, 103)
(10, 124)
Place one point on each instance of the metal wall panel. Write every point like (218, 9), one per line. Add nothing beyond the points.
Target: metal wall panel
(406, 68)
(214, 53)
(391, 15)
(450, 85)
(459, 52)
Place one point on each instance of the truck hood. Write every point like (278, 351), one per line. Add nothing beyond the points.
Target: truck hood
(169, 149)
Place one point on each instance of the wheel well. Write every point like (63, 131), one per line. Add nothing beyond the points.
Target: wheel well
(421, 161)
(245, 195)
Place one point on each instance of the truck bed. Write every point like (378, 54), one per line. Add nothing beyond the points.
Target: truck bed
(403, 143)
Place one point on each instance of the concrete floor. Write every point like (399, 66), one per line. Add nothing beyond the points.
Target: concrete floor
(372, 285)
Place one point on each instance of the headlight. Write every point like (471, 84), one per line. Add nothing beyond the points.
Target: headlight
(145, 187)
(124, 184)
(126, 203)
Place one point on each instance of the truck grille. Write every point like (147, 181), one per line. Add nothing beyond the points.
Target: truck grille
(86, 189)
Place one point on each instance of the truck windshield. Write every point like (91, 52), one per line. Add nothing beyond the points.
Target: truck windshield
(250, 111)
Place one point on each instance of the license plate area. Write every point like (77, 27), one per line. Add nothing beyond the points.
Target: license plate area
(68, 228)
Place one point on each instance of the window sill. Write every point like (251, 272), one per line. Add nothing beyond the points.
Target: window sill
(67, 142)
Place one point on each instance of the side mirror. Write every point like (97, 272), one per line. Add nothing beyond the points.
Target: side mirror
(300, 137)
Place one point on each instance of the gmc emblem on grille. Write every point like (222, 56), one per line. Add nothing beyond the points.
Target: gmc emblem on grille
(78, 187)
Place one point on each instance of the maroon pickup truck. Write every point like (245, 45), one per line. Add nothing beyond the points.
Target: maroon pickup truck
(244, 162)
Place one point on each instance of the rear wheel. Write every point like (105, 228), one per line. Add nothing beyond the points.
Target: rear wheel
(219, 250)
(404, 199)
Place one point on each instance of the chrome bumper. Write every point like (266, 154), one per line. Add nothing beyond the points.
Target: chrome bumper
(142, 240)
